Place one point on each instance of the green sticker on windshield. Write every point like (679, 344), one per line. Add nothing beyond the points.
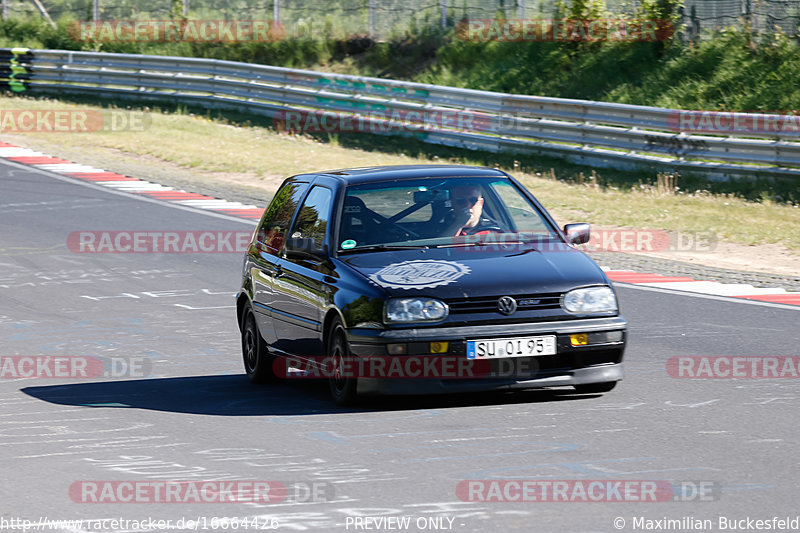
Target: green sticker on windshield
(349, 243)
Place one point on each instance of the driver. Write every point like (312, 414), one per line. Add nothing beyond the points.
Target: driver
(469, 218)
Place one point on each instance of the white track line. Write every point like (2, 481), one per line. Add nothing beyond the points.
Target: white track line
(708, 296)
(109, 190)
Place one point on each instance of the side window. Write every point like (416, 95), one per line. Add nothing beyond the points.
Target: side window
(523, 214)
(312, 221)
(275, 224)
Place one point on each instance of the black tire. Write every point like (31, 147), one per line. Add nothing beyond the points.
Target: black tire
(257, 359)
(595, 388)
(343, 388)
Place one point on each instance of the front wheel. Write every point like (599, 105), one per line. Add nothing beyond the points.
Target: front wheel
(343, 387)
(257, 360)
(595, 388)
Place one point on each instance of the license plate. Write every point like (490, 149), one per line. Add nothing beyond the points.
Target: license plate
(511, 347)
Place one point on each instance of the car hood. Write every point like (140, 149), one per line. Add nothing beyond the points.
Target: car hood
(476, 271)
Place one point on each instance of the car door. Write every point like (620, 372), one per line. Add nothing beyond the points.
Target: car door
(300, 290)
(264, 255)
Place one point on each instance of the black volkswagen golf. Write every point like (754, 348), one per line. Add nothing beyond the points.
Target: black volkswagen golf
(421, 280)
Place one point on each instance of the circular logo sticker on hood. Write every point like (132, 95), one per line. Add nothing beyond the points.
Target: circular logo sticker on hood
(419, 274)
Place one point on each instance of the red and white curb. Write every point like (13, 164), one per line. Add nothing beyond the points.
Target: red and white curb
(715, 288)
(160, 192)
(119, 182)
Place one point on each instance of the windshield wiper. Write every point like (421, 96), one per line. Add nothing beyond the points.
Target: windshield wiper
(459, 244)
(384, 247)
(527, 245)
(501, 242)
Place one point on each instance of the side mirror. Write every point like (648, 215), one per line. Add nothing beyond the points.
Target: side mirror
(577, 233)
(302, 248)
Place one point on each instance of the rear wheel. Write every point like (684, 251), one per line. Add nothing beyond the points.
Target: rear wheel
(343, 387)
(595, 388)
(257, 360)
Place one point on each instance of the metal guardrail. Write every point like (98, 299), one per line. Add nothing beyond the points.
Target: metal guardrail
(597, 133)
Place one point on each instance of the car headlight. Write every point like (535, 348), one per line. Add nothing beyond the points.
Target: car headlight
(415, 310)
(590, 300)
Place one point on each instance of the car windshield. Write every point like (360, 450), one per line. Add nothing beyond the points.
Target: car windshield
(439, 212)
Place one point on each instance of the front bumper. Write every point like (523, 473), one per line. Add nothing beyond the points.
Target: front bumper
(597, 362)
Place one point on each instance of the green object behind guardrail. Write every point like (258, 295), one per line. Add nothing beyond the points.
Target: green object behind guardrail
(13, 73)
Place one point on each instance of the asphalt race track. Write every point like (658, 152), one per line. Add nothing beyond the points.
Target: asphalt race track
(171, 403)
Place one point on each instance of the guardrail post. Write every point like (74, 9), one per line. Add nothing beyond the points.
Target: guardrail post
(585, 111)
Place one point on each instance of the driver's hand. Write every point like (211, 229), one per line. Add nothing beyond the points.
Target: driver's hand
(458, 218)
(461, 217)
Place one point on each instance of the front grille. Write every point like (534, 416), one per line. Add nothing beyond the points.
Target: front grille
(488, 304)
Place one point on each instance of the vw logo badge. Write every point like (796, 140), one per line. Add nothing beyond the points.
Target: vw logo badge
(507, 305)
